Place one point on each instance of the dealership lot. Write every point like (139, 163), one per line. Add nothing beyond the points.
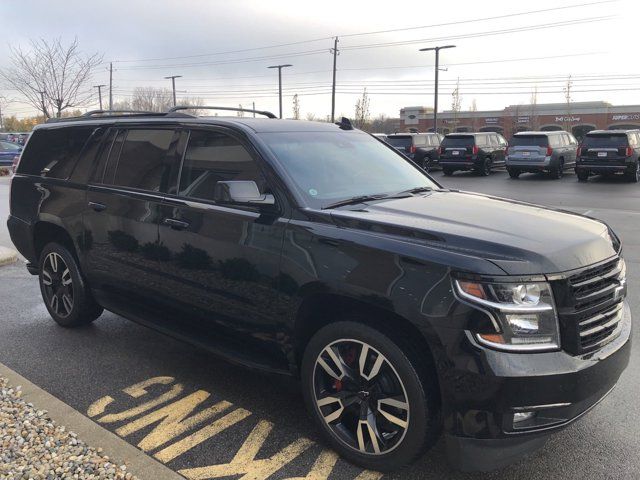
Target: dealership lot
(255, 425)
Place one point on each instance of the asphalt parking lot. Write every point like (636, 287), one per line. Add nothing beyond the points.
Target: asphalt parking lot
(255, 425)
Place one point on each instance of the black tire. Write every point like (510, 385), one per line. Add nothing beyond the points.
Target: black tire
(583, 175)
(426, 164)
(634, 176)
(513, 172)
(484, 169)
(66, 295)
(558, 172)
(447, 171)
(413, 372)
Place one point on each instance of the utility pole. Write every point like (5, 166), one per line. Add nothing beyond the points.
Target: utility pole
(173, 86)
(334, 50)
(435, 99)
(253, 106)
(99, 87)
(110, 85)
(280, 67)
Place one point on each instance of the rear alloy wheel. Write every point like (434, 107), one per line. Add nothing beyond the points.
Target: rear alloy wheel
(367, 396)
(63, 289)
(426, 164)
(485, 168)
(583, 175)
(513, 173)
(634, 176)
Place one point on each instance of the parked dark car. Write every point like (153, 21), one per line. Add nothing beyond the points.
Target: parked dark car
(422, 148)
(551, 152)
(8, 152)
(609, 152)
(314, 250)
(479, 152)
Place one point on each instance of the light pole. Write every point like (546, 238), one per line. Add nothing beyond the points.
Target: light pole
(280, 67)
(435, 99)
(173, 86)
(99, 87)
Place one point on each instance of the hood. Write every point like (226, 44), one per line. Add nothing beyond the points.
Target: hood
(522, 239)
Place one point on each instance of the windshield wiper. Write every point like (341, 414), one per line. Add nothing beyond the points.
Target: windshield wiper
(362, 198)
(416, 190)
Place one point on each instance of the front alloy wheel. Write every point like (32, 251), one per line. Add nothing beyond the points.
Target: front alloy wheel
(373, 395)
(361, 397)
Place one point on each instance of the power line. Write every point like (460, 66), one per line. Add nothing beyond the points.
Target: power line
(375, 32)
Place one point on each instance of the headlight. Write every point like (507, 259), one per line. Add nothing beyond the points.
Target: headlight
(523, 313)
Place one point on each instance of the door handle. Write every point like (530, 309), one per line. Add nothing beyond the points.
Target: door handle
(98, 207)
(176, 224)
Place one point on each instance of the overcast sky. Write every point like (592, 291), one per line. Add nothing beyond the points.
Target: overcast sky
(148, 40)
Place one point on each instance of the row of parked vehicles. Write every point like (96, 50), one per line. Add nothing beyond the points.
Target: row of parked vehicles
(601, 152)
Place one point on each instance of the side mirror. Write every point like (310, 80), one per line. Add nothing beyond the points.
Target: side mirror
(240, 192)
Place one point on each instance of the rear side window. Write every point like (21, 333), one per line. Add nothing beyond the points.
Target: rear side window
(555, 141)
(399, 141)
(452, 141)
(52, 152)
(145, 159)
(212, 157)
(87, 161)
(606, 140)
(529, 141)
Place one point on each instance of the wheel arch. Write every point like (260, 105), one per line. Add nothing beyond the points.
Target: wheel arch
(45, 232)
(321, 309)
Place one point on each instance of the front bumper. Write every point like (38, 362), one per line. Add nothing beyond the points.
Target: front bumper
(483, 389)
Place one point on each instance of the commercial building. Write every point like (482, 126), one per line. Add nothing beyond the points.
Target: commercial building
(577, 117)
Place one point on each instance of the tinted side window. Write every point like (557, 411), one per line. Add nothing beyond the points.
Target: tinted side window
(87, 160)
(53, 152)
(145, 159)
(212, 157)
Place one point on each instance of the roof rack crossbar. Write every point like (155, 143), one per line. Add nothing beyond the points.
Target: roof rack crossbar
(231, 109)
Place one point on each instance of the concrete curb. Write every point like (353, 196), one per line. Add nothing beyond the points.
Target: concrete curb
(118, 450)
(7, 256)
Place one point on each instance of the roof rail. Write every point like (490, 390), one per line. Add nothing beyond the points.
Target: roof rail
(92, 114)
(231, 109)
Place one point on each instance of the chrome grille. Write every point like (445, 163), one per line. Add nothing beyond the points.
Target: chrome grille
(591, 307)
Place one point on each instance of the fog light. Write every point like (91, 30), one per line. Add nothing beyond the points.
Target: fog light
(522, 417)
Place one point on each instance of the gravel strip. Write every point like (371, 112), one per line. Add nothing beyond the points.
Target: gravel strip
(32, 446)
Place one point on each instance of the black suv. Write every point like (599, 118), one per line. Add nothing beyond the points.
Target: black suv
(315, 250)
(422, 148)
(609, 152)
(472, 151)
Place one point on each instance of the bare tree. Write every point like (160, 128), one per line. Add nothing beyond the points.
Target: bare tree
(362, 113)
(474, 119)
(311, 117)
(296, 107)
(153, 99)
(456, 103)
(51, 76)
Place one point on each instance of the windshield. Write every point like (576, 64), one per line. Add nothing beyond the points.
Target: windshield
(529, 141)
(327, 167)
(399, 142)
(606, 140)
(8, 146)
(459, 141)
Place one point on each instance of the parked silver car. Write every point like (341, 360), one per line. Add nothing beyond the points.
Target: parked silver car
(551, 152)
